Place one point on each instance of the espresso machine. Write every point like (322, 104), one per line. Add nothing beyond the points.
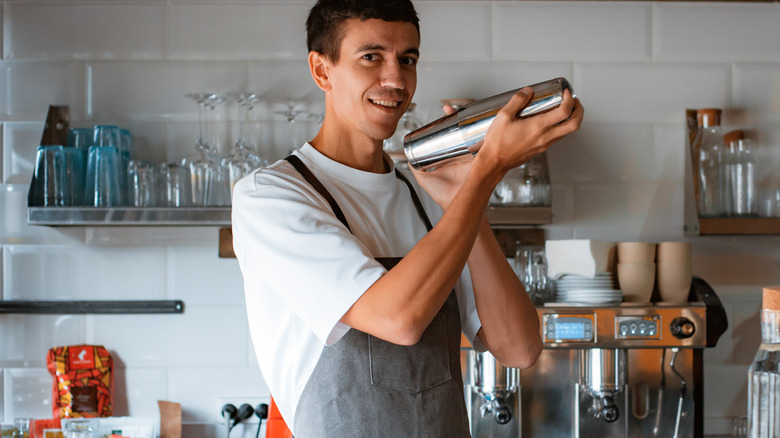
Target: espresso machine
(492, 393)
(628, 370)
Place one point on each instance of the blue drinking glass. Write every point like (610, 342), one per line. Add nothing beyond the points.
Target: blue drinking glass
(75, 174)
(80, 138)
(103, 185)
(107, 135)
(48, 187)
(126, 144)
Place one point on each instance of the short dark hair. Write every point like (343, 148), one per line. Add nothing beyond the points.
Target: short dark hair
(324, 30)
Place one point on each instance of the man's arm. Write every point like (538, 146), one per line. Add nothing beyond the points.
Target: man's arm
(400, 305)
(510, 324)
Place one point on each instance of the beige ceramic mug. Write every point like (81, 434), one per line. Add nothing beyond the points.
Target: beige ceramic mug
(636, 281)
(674, 281)
(636, 252)
(678, 252)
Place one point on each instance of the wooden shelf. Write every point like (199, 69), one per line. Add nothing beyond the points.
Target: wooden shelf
(738, 226)
(726, 226)
(516, 216)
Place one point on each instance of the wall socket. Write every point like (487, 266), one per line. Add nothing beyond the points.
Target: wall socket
(237, 402)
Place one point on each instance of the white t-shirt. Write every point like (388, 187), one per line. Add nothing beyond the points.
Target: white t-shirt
(303, 269)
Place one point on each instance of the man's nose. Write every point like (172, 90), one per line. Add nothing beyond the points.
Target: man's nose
(392, 76)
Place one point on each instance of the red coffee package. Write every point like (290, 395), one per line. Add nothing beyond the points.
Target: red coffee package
(83, 381)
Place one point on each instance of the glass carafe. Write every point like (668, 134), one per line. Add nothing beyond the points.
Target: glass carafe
(710, 147)
(764, 379)
(744, 200)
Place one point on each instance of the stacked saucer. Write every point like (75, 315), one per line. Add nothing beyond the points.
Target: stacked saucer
(583, 290)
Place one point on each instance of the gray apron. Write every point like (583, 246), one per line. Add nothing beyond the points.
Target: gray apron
(364, 387)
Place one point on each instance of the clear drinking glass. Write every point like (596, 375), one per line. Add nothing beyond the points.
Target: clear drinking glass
(174, 185)
(521, 265)
(538, 276)
(143, 184)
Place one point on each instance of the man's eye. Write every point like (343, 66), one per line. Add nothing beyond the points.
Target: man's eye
(370, 57)
(409, 61)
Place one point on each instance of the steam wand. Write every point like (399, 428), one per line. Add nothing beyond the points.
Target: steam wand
(683, 386)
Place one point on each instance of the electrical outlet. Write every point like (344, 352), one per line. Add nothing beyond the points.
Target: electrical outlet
(237, 402)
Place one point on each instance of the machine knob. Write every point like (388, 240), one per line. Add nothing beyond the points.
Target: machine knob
(682, 328)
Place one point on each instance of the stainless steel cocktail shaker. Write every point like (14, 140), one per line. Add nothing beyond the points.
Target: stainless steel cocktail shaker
(461, 133)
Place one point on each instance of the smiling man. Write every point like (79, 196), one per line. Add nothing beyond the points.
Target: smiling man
(358, 285)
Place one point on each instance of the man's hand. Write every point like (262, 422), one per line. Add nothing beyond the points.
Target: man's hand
(509, 142)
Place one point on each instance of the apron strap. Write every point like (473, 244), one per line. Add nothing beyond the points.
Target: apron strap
(317, 185)
(311, 179)
(416, 199)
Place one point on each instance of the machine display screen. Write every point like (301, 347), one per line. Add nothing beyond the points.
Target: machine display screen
(570, 330)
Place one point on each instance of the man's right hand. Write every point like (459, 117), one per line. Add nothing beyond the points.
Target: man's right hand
(511, 141)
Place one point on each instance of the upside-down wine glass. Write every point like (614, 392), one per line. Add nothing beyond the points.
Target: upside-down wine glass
(202, 163)
(291, 113)
(241, 160)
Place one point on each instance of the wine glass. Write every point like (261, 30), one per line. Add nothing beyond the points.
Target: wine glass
(291, 113)
(202, 163)
(240, 161)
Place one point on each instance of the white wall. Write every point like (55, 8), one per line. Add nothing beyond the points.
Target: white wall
(636, 66)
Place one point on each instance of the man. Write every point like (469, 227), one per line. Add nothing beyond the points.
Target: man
(351, 339)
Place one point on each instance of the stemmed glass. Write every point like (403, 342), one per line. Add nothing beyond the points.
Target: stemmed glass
(240, 161)
(202, 164)
(291, 113)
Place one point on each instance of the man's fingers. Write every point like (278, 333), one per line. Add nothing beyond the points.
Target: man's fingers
(518, 101)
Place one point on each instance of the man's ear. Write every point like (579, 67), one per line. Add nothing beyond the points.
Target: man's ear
(319, 68)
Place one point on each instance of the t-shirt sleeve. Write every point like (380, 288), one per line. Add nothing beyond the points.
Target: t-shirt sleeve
(286, 236)
(470, 323)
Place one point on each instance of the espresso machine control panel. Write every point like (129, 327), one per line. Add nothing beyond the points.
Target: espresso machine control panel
(624, 326)
(636, 327)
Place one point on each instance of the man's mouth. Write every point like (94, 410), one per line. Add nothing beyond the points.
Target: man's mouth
(385, 103)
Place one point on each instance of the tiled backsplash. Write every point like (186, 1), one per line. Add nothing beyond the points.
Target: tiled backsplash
(636, 66)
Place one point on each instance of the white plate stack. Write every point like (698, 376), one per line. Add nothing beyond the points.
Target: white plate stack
(579, 289)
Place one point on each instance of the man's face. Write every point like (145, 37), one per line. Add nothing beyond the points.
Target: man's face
(375, 77)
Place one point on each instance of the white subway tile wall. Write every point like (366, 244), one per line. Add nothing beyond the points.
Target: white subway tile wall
(636, 66)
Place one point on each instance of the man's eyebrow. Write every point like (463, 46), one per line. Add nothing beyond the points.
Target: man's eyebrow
(381, 48)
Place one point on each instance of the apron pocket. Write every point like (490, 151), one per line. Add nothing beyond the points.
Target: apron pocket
(412, 368)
